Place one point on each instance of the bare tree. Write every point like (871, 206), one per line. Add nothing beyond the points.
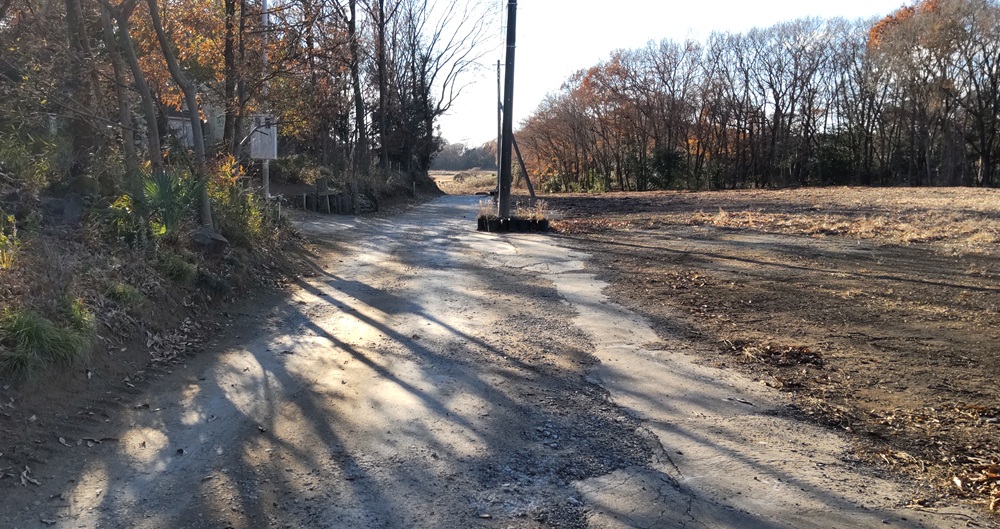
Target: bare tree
(440, 44)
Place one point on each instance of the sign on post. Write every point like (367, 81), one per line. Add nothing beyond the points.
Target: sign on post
(264, 138)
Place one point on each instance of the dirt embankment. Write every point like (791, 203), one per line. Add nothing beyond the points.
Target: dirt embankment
(879, 309)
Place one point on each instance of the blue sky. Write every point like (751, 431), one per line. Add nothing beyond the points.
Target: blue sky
(558, 37)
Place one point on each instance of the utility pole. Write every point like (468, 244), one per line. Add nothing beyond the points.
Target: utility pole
(499, 121)
(507, 135)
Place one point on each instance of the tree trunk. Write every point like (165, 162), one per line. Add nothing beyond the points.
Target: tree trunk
(229, 90)
(124, 110)
(191, 99)
(382, 86)
(361, 147)
(81, 128)
(145, 94)
(240, 82)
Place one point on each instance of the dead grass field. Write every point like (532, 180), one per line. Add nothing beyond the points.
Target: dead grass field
(465, 182)
(878, 309)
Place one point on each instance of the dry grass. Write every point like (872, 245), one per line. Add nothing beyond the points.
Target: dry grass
(962, 219)
(466, 182)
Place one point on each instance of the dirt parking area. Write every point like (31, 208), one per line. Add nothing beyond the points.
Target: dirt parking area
(876, 308)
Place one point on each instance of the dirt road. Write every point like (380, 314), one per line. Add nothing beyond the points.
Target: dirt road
(429, 376)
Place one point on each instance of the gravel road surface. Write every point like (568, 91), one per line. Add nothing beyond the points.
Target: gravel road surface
(424, 375)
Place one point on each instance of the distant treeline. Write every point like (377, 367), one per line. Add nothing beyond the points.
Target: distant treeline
(911, 99)
(459, 157)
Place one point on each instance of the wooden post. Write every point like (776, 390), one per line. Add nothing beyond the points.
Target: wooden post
(520, 161)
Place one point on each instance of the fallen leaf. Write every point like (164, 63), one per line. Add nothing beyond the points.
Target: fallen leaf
(25, 478)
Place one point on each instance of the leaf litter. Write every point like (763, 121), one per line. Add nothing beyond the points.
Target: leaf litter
(871, 309)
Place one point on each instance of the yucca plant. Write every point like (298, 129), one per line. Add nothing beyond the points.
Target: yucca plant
(157, 206)
(169, 197)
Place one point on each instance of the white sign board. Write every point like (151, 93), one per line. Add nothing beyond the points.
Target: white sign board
(264, 137)
(180, 127)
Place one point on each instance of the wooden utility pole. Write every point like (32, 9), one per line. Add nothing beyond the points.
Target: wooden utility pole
(499, 120)
(508, 114)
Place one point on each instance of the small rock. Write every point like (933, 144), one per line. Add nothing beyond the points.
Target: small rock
(208, 240)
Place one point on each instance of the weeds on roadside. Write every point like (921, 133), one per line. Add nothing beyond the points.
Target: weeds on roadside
(523, 211)
(33, 159)
(532, 209)
(31, 343)
(80, 318)
(540, 211)
(124, 294)
(241, 216)
(176, 268)
(8, 240)
(487, 209)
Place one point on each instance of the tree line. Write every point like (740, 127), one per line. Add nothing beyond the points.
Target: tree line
(461, 157)
(109, 90)
(910, 99)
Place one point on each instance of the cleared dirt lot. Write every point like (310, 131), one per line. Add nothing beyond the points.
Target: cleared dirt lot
(876, 308)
